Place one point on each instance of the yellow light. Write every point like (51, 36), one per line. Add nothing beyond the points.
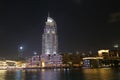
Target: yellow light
(43, 64)
(102, 51)
(43, 70)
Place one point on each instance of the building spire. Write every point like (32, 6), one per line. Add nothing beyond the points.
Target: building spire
(48, 14)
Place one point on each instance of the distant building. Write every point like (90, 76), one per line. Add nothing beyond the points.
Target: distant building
(34, 61)
(109, 53)
(50, 38)
(103, 53)
(114, 53)
(50, 56)
(111, 58)
(92, 62)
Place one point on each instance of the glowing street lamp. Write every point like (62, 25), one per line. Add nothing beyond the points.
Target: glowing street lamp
(21, 47)
(21, 50)
(35, 53)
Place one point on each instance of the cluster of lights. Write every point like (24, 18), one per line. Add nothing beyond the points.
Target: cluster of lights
(49, 20)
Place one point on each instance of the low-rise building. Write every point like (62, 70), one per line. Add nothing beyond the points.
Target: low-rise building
(92, 62)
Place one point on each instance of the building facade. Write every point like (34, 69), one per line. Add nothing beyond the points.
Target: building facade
(50, 56)
(111, 58)
(92, 62)
(49, 37)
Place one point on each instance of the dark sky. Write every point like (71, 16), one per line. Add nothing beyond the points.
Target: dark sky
(83, 25)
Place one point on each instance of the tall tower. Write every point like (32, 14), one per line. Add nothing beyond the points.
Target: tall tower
(49, 37)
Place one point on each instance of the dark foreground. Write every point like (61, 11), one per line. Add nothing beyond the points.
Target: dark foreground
(61, 74)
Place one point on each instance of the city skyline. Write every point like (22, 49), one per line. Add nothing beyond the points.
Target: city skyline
(83, 25)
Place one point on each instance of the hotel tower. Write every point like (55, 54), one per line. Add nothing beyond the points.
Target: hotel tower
(49, 56)
(49, 37)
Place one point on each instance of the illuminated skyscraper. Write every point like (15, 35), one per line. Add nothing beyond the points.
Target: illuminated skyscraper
(49, 37)
(49, 56)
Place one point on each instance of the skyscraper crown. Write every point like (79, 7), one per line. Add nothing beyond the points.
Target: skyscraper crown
(50, 21)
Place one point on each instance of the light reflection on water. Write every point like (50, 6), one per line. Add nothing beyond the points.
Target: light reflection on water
(2, 74)
(57, 74)
(101, 74)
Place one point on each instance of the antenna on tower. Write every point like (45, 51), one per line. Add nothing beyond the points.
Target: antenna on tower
(48, 14)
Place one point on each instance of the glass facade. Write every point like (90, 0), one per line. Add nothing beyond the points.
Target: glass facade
(49, 37)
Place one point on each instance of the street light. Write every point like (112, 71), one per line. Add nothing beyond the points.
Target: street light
(21, 50)
(21, 47)
(35, 53)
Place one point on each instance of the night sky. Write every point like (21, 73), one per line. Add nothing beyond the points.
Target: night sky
(82, 25)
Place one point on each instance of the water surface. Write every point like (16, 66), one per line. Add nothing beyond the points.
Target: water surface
(61, 74)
